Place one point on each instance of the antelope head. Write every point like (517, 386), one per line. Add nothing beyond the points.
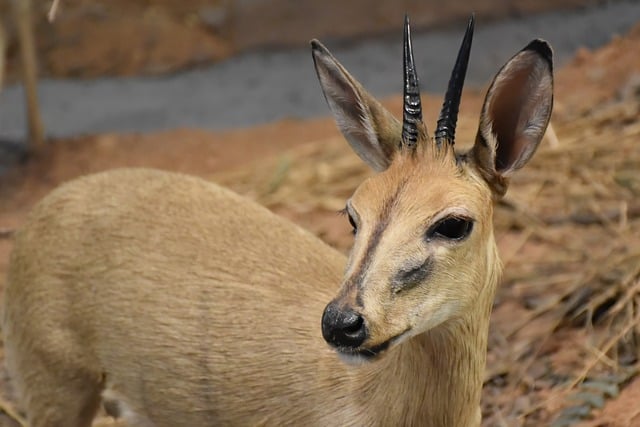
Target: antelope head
(424, 254)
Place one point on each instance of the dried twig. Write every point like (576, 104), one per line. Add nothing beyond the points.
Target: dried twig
(603, 350)
(590, 218)
(8, 409)
(6, 233)
(551, 136)
(51, 16)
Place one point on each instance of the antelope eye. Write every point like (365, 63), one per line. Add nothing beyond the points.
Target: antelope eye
(451, 228)
(352, 222)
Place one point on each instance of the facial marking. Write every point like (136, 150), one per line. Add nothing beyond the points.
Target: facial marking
(356, 280)
(411, 275)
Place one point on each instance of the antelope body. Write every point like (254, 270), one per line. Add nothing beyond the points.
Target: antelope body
(184, 304)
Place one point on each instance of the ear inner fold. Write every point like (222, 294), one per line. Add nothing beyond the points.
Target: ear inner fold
(372, 131)
(515, 114)
(520, 115)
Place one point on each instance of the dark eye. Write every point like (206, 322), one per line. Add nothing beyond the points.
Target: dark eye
(353, 223)
(452, 228)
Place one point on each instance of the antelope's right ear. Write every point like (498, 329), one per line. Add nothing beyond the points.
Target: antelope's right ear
(515, 115)
(371, 130)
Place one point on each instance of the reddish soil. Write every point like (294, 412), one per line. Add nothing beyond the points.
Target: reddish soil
(119, 37)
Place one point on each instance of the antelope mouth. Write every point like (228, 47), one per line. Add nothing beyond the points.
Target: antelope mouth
(363, 355)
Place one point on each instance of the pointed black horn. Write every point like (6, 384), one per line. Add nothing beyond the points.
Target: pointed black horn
(412, 107)
(446, 128)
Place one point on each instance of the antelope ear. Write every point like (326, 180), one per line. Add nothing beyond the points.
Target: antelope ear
(515, 115)
(371, 130)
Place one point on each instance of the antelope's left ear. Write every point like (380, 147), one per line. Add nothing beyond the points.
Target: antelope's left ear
(515, 115)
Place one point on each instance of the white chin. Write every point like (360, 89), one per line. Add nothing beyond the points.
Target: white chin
(353, 359)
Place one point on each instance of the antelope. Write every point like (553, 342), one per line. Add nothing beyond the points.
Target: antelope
(182, 303)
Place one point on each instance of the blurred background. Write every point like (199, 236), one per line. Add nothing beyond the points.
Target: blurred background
(134, 65)
(225, 89)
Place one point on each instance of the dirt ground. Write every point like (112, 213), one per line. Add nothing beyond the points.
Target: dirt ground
(565, 335)
(120, 37)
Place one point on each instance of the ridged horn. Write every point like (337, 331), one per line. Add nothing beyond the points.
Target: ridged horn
(412, 107)
(446, 128)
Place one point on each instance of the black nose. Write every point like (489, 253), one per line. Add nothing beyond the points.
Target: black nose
(343, 327)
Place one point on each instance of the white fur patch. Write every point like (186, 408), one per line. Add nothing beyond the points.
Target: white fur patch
(126, 412)
(353, 359)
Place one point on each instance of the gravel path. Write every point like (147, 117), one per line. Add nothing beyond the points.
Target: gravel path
(259, 87)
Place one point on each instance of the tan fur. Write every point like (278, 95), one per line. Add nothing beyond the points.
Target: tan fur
(185, 304)
(157, 302)
(445, 365)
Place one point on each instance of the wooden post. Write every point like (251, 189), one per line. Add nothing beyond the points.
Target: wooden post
(22, 12)
(3, 53)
